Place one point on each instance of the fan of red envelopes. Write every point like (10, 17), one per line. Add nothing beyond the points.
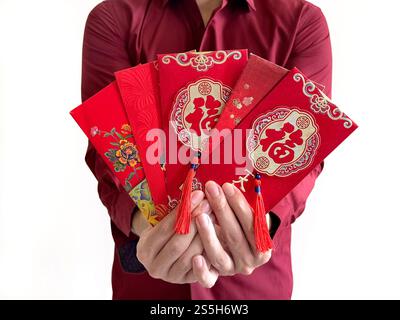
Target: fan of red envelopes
(166, 127)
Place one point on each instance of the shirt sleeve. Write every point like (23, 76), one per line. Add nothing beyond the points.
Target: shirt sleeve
(104, 52)
(312, 54)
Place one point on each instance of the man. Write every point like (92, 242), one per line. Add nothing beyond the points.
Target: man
(123, 33)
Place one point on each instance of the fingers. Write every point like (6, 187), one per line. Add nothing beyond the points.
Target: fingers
(242, 210)
(216, 254)
(235, 218)
(177, 253)
(244, 214)
(172, 250)
(184, 263)
(220, 236)
(230, 226)
(203, 207)
(153, 240)
(206, 276)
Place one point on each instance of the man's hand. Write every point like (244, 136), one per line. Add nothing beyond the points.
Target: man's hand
(169, 256)
(230, 245)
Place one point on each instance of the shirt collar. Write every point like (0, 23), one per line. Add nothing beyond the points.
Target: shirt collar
(224, 3)
(250, 3)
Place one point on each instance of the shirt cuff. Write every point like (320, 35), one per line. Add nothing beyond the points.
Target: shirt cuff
(128, 259)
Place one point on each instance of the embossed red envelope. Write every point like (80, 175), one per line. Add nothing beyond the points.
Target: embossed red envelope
(103, 119)
(139, 90)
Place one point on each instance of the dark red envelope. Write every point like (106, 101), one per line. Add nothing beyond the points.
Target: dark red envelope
(103, 119)
(139, 90)
(256, 81)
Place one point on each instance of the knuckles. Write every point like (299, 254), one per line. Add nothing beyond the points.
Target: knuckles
(175, 248)
(164, 228)
(142, 254)
(232, 238)
(223, 266)
(208, 284)
(246, 270)
(247, 266)
(219, 205)
(220, 263)
(181, 267)
(264, 257)
(154, 271)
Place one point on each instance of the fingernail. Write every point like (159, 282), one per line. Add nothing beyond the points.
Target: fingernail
(212, 189)
(197, 196)
(228, 189)
(205, 207)
(203, 220)
(198, 261)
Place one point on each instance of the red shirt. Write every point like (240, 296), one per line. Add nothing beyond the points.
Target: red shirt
(123, 33)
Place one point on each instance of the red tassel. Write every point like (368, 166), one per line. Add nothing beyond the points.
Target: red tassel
(184, 216)
(261, 232)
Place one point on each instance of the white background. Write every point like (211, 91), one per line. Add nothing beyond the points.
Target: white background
(55, 240)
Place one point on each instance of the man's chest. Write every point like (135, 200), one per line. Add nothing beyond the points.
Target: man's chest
(182, 29)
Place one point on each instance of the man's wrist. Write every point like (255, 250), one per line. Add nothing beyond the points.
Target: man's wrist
(139, 223)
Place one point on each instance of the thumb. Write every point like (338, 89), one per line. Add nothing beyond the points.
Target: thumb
(205, 276)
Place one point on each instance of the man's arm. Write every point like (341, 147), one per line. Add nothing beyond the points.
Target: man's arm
(312, 54)
(104, 52)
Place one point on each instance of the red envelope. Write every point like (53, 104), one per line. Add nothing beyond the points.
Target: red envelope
(202, 78)
(289, 132)
(102, 118)
(140, 93)
(257, 80)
